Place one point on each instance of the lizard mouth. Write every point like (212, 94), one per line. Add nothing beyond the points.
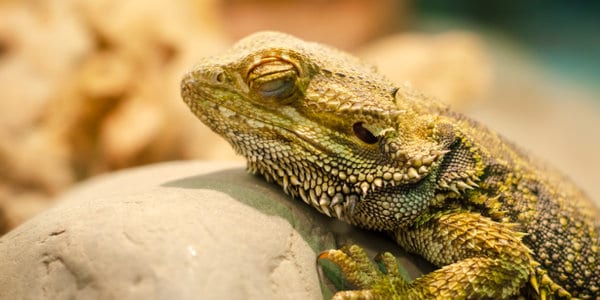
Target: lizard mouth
(224, 109)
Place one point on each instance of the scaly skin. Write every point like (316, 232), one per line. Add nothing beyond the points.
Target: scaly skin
(333, 132)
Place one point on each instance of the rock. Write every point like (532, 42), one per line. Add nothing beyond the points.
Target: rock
(453, 66)
(174, 231)
(348, 23)
(116, 63)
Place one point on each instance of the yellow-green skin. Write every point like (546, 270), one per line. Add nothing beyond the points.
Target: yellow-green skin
(333, 132)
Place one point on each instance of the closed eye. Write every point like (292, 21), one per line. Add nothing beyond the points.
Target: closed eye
(274, 79)
(278, 88)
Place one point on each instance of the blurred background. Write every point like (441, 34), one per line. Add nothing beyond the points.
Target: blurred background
(88, 87)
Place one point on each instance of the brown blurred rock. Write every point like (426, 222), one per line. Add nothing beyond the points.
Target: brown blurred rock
(41, 43)
(454, 67)
(92, 86)
(345, 24)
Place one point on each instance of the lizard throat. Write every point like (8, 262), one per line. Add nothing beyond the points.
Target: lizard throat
(333, 199)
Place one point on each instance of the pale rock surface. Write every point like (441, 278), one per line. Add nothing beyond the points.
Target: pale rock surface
(171, 231)
(182, 230)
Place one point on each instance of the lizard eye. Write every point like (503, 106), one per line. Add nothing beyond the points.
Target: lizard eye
(364, 134)
(273, 79)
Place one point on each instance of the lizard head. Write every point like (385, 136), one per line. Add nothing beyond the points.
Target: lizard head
(318, 121)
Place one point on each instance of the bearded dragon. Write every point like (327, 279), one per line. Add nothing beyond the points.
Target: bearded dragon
(333, 132)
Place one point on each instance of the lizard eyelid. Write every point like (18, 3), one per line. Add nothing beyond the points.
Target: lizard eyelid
(273, 78)
(279, 88)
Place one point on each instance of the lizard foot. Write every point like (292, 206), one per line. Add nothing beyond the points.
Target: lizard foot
(372, 280)
(471, 278)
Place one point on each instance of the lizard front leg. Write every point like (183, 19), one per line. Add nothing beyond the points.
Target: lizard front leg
(479, 258)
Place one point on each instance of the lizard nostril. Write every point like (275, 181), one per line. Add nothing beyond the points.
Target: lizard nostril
(364, 134)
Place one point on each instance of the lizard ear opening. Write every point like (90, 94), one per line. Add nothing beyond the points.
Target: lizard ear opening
(364, 134)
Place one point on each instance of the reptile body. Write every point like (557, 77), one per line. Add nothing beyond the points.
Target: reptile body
(338, 135)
